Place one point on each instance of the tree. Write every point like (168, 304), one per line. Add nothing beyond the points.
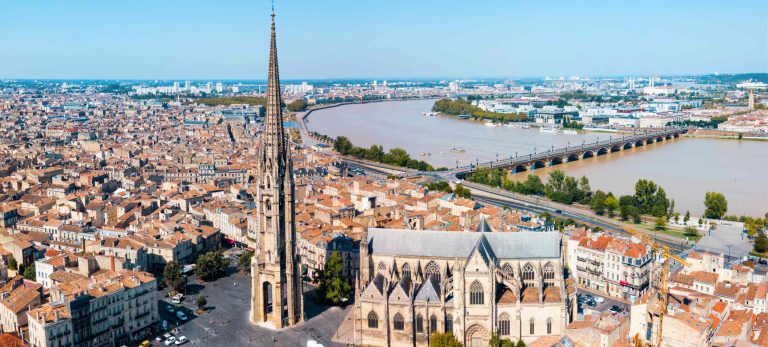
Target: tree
(245, 259)
(201, 301)
(333, 285)
(598, 202)
(462, 192)
(520, 343)
(297, 105)
(661, 223)
(497, 341)
(677, 217)
(687, 217)
(651, 199)
(12, 264)
(211, 265)
(761, 243)
(173, 277)
(611, 204)
(29, 272)
(443, 340)
(716, 205)
(342, 145)
(690, 231)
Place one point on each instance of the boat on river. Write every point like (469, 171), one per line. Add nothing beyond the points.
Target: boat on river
(457, 150)
(548, 130)
(570, 132)
(490, 124)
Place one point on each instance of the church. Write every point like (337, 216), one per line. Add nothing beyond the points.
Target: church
(417, 282)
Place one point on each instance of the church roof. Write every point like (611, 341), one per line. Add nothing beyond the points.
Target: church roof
(483, 226)
(427, 292)
(449, 244)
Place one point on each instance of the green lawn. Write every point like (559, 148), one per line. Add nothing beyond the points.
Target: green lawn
(674, 233)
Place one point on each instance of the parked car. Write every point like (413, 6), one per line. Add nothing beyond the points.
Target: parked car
(181, 340)
(599, 299)
(616, 309)
(176, 300)
(171, 340)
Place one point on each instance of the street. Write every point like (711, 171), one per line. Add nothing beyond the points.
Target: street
(227, 324)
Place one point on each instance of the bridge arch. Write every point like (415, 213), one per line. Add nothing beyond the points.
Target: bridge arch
(587, 154)
(555, 161)
(628, 145)
(676, 135)
(572, 157)
(602, 151)
(639, 143)
(649, 141)
(538, 165)
(659, 139)
(519, 168)
(668, 137)
(615, 148)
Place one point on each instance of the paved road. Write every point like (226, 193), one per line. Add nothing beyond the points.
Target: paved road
(227, 323)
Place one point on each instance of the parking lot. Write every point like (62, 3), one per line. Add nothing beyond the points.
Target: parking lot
(586, 304)
(226, 323)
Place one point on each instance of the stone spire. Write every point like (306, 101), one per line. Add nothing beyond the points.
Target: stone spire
(274, 134)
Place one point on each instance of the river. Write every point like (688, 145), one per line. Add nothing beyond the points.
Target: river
(685, 167)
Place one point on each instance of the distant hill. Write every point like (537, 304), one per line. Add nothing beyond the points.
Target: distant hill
(734, 78)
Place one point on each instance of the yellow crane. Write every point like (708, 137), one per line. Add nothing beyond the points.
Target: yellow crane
(663, 284)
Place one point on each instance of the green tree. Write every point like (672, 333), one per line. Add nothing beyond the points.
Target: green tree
(245, 260)
(611, 204)
(676, 216)
(30, 273)
(201, 301)
(661, 223)
(598, 202)
(520, 343)
(333, 285)
(439, 186)
(297, 105)
(716, 205)
(173, 277)
(211, 265)
(462, 192)
(687, 217)
(497, 341)
(651, 199)
(761, 243)
(342, 145)
(12, 264)
(443, 340)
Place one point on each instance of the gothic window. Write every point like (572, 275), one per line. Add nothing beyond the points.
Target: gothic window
(508, 271)
(432, 324)
(449, 323)
(528, 272)
(406, 270)
(504, 324)
(532, 327)
(476, 295)
(373, 320)
(419, 324)
(432, 270)
(398, 322)
(549, 272)
(549, 326)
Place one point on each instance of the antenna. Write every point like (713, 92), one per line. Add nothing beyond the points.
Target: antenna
(273, 8)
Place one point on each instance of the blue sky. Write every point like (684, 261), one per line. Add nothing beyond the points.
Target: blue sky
(227, 39)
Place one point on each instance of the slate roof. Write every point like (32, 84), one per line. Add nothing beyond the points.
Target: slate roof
(449, 244)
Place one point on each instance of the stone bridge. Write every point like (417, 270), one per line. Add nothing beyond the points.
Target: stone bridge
(556, 156)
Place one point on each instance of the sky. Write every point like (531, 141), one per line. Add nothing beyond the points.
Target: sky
(228, 39)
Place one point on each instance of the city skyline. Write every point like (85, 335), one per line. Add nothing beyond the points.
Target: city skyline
(88, 40)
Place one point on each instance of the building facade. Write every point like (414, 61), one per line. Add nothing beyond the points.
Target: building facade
(276, 295)
(417, 282)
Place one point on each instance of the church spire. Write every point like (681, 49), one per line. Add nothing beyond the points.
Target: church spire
(274, 133)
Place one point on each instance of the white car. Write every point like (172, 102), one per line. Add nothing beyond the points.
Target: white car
(170, 341)
(175, 300)
(599, 299)
(181, 340)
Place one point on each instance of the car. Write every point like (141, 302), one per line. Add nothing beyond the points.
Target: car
(170, 308)
(171, 340)
(181, 340)
(175, 300)
(181, 315)
(616, 309)
(591, 303)
(599, 299)
(167, 336)
(159, 339)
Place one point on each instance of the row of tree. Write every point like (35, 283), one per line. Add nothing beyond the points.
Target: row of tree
(209, 266)
(461, 106)
(396, 156)
(443, 186)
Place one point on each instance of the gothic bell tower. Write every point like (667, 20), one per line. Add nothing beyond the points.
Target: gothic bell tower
(276, 294)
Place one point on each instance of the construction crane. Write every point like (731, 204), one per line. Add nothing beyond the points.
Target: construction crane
(663, 284)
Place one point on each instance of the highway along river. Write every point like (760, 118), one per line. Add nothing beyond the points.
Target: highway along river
(685, 167)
